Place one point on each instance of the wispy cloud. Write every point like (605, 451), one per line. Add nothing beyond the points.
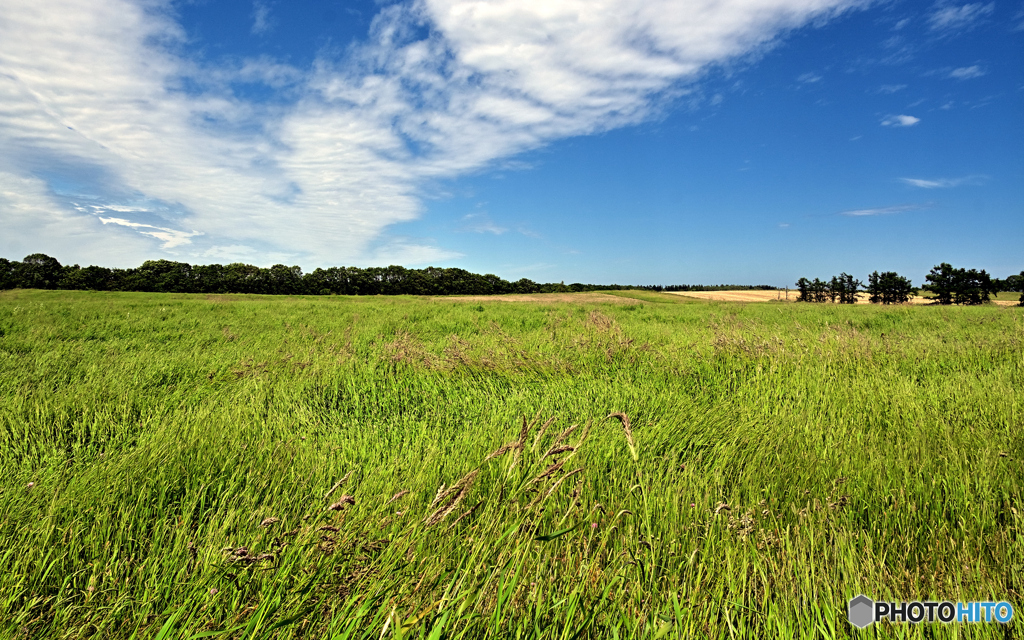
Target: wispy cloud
(882, 211)
(944, 183)
(966, 73)
(900, 121)
(891, 88)
(100, 91)
(809, 78)
(953, 18)
(261, 21)
(169, 237)
(481, 223)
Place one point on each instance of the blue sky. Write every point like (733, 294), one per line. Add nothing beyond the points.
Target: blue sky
(628, 141)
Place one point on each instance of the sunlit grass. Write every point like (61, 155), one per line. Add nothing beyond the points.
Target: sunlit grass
(170, 464)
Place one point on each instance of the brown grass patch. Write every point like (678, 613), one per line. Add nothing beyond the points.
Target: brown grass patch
(544, 298)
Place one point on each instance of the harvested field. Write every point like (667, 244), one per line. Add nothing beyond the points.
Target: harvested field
(737, 296)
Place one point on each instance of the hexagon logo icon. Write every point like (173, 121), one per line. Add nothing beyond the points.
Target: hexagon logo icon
(861, 611)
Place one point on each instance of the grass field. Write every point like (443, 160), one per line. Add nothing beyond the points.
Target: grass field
(174, 466)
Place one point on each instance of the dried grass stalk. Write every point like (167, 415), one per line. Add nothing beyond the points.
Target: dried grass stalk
(337, 484)
(449, 499)
(624, 419)
(502, 450)
(553, 488)
(555, 452)
(551, 470)
(438, 496)
(340, 504)
(543, 430)
(465, 515)
(397, 496)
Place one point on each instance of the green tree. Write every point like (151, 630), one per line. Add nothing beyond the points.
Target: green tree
(959, 286)
(87, 278)
(8, 280)
(845, 288)
(973, 287)
(38, 271)
(803, 285)
(942, 282)
(163, 276)
(889, 288)
(285, 280)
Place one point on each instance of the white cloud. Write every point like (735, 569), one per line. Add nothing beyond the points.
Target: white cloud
(170, 237)
(261, 21)
(891, 88)
(94, 91)
(943, 183)
(34, 221)
(481, 223)
(951, 18)
(882, 211)
(809, 78)
(900, 121)
(966, 73)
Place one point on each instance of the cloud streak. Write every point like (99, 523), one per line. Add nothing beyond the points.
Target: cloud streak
(900, 121)
(99, 94)
(966, 73)
(943, 183)
(882, 211)
(952, 18)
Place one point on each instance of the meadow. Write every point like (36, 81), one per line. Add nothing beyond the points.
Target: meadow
(190, 466)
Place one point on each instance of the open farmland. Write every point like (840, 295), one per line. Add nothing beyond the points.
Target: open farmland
(1004, 299)
(339, 467)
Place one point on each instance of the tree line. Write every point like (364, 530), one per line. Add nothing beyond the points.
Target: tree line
(40, 271)
(947, 284)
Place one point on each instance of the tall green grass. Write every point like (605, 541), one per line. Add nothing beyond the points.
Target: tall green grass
(182, 466)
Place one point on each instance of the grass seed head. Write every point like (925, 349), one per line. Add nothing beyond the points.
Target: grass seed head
(502, 450)
(450, 499)
(340, 504)
(337, 484)
(562, 449)
(269, 521)
(397, 496)
(543, 430)
(465, 515)
(624, 419)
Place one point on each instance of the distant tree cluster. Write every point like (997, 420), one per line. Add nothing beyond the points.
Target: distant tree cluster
(889, 288)
(40, 271)
(842, 288)
(959, 286)
(1012, 283)
(948, 284)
